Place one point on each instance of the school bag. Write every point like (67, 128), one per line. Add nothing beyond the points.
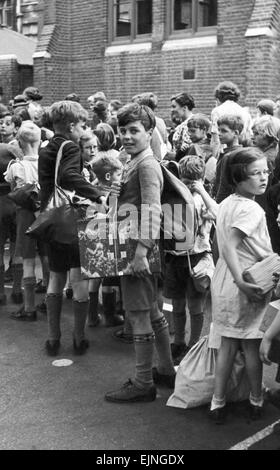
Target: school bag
(179, 220)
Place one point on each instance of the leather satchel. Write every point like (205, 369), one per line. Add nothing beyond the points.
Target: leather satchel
(26, 196)
(58, 222)
(261, 273)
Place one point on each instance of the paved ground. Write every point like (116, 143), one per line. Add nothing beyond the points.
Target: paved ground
(46, 407)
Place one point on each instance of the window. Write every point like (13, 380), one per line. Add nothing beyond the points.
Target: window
(6, 13)
(130, 19)
(191, 15)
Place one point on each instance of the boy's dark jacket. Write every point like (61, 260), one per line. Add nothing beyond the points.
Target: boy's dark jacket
(70, 172)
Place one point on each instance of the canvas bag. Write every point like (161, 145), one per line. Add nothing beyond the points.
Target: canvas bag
(27, 195)
(194, 384)
(57, 223)
(179, 221)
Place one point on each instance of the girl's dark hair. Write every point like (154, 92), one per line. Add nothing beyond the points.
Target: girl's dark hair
(227, 91)
(106, 139)
(133, 112)
(184, 99)
(238, 161)
(147, 99)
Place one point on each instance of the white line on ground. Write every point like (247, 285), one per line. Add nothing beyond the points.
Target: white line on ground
(259, 436)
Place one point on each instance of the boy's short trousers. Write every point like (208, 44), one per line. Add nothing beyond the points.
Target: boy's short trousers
(26, 247)
(178, 283)
(7, 220)
(138, 294)
(62, 257)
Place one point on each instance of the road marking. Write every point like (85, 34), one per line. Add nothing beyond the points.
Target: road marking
(259, 436)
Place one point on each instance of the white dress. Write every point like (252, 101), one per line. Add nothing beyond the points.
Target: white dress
(233, 314)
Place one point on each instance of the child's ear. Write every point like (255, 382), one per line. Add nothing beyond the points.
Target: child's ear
(107, 176)
(71, 127)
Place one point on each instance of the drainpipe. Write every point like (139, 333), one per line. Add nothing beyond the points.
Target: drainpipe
(19, 16)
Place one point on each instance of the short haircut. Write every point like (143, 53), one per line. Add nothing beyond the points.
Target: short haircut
(227, 91)
(73, 97)
(86, 137)
(105, 136)
(269, 126)
(133, 112)
(147, 99)
(184, 99)
(238, 161)
(116, 104)
(105, 164)
(29, 133)
(192, 167)
(234, 122)
(100, 109)
(266, 106)
(22, 113)
(63, 113)
(15, 119)
(201, 121)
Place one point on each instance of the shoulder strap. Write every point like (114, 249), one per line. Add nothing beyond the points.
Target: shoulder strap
(58, 159)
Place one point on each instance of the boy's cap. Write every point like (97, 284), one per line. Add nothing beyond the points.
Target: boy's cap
(267, 105)
(32, 93)
(19, 100)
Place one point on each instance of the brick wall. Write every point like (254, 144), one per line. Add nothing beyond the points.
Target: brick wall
(79, 64)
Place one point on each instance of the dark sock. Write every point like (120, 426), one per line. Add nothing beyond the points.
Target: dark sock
(144, 346)
(2, 280)
(179, 327)
(54, 306)
(80, 316)
(109, 304)
(29, 284)
(17, 277)
(162, 342)
(93, 307)
(196, 327)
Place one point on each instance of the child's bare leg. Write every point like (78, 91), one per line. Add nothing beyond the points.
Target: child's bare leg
(225, 359)
(254, 369)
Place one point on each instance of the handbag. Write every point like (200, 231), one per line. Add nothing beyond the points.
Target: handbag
(26, 196)
(202, 272)
(261, 273)
(58, 222)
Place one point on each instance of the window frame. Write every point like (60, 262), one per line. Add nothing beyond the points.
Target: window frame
(133, 37)
(195, 30)
(4, 9)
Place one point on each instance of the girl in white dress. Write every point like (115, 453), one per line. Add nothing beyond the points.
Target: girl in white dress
(238, 306)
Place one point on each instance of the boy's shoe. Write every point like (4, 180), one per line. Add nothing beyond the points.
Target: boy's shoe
(69, 293)
(40, 289)
(22, 315)
(129, 393)
(273, 396)
(17, 297)
(80, 349)
(3, 299)
(52, 348)
(218, 416)
(120, 335)
(255, 412)
(113, 320)
(94, 321)
(42, 308)
(163, 379)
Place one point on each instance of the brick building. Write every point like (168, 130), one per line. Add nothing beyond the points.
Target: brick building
(20, 24)
(126, 46)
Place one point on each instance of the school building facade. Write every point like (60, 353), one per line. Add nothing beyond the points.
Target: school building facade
(165, 46)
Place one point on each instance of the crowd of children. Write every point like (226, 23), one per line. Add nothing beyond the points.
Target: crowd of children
(229, 162)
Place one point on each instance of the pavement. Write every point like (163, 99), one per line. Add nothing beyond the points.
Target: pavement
(44, 407)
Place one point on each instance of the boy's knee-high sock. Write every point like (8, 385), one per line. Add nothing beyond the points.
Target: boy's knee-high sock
(144, 347)
(162, 342)
(29, 284)
(2, 280)
(80, 316)
(17, 270)
(93, 307)
(179, 327)
(54, 306)
(196, 328)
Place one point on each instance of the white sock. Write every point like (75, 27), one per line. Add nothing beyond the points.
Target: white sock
(217, 403)
(256, 401)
